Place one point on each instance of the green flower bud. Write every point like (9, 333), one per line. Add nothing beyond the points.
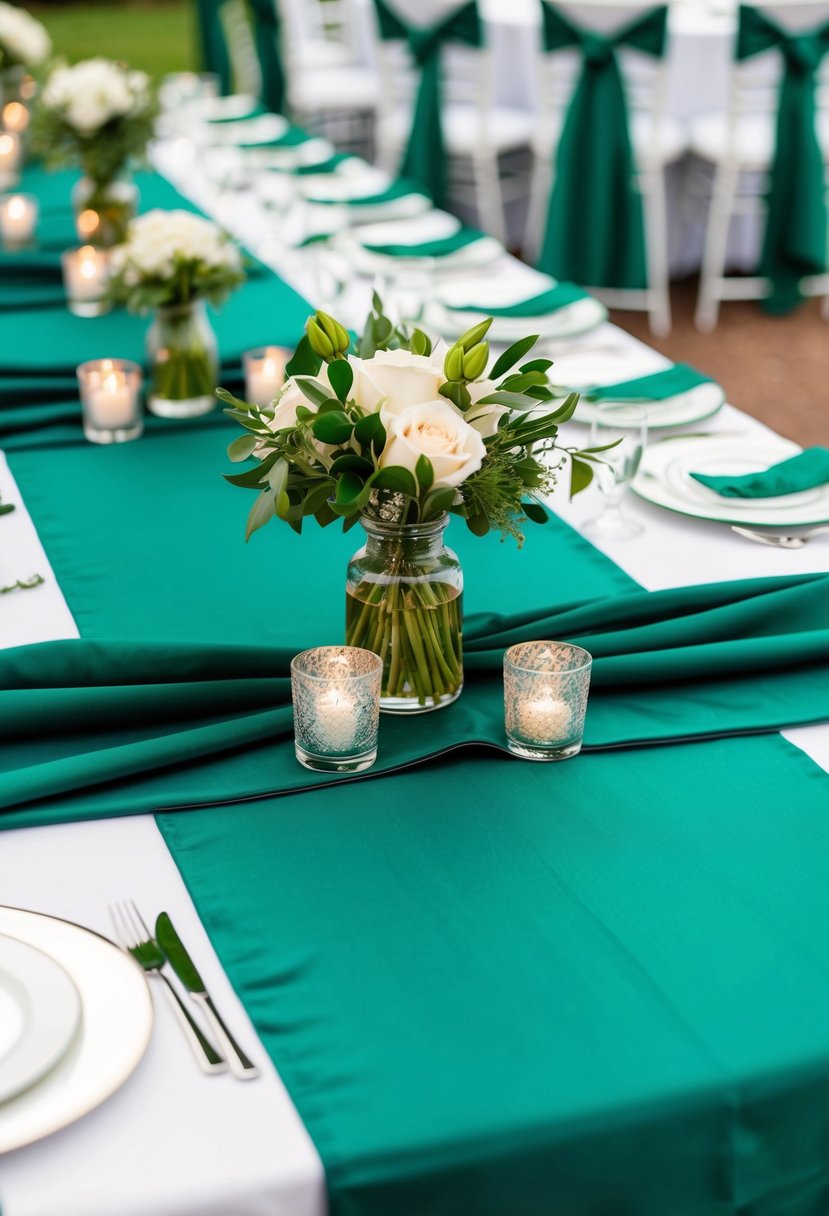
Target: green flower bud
(475, 335)
(335, 332)
(453, 363)
(475, 361)
(321, 344)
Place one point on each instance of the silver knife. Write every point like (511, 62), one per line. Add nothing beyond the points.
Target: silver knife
(186, 970)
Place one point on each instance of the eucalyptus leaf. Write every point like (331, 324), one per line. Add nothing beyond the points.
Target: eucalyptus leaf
(261, 511)
(581, 476)
(313, 390)
(537, 365)
(241, 448)
(512, 354)
(535, 512)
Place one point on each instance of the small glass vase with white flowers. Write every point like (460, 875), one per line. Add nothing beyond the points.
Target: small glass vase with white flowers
(97, 114)
(399, 435)
(174, 262)
(24, 48)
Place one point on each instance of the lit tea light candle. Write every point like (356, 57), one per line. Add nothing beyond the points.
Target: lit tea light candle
(337, 719)
(15, 117)
(85, 274)
(110, 396)
(18, 219)
(336, 699)
(544, 719)
(264, 373)
(9, 158)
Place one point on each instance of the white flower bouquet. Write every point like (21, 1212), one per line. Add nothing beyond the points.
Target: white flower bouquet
(402, 434)
(24, 42)
(174, 261)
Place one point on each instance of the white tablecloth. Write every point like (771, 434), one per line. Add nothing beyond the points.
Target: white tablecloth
(172, 1142)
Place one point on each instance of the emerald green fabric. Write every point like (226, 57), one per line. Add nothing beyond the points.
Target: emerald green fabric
(795, 241)
(398, 189)
(595, 232)
(267, 37)
(802, 472)
(539, 305)
(424, 160)
(440, 248)
(500, 988)
(161, 706)
(658, 386)
(213, 49)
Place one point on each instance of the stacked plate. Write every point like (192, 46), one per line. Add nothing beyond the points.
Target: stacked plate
(664, 478)
(450, 312)
(75, 1019)
(370, 246)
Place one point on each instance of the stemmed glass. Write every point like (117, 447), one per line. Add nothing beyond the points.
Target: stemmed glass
(626, 426)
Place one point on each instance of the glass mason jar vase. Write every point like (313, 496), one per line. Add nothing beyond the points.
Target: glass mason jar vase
(103, 210)
(183, 356)
(404, 602)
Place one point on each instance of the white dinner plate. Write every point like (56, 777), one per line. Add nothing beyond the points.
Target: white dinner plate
(288, 159)
(116, 1021)
(223, 109)
(580, 317)
(249, 132)
(702, 401)
(40, 1012)
(342, 186)
(664, 478)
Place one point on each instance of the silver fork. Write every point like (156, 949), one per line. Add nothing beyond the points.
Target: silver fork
(135, 938)
(778, 541)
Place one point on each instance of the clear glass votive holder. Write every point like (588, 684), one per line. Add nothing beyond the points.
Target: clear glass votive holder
(545, 699)
(18, 220)
(336, 696)
(10, 157)
(85, 278)
(264, 373)
(111, 400)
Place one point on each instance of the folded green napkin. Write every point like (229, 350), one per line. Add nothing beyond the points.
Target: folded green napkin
(326, 166)
(256, 110)
(439, 248)
(292, 138)
(536, 306)
(658, 386)
(398, 189)
(802, 472)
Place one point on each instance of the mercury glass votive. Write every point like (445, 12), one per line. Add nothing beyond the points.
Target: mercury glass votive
(111, 400)
(85, 276)
(545, 699)
(264, 373)
(336, 696)
(18, 220)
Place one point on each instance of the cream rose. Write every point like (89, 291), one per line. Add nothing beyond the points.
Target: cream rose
(395, 378)
(437, 430)
(286, 401)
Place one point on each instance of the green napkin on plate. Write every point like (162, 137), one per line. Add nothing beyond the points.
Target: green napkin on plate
(439, 248)
(658, 386)
(398, 189)
(536, 306)
(802, 472)
(325, 166)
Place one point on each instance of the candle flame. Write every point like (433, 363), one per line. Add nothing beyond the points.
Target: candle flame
(6, 145)
(16, 207)
(269, 368)
(112, 382)
(87, 262)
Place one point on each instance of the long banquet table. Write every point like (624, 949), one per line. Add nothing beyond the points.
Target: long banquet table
(477, 986)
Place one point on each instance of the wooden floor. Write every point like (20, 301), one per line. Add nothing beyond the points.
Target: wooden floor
(775, 368)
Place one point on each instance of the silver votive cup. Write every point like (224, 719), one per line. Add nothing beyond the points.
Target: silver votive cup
(111, 400)
(264, 373)
(85, 278)
(336, 696)
(545, 699)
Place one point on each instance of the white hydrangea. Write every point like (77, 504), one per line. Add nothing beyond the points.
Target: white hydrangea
(23, 40)
(91, 93)
(160, 239)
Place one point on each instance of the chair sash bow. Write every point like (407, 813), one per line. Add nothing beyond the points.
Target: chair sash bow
(424, 161)
(595, 231)
(795, 241)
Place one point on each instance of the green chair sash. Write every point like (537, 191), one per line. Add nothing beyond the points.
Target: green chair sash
(595, 233)
(424, 161)
(795, 241)
(213, 48)
(802, 472)
(266, 35)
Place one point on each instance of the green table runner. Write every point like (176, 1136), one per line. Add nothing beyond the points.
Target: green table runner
(499, 988)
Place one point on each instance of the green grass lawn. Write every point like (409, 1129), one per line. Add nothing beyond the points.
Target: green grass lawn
(157, 37)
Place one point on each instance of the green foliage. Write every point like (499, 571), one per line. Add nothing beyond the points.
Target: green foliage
(327, 464)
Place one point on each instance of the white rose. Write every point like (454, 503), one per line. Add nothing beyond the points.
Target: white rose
(22, 36)
(399, 377)
(437, 430)
(484, 418)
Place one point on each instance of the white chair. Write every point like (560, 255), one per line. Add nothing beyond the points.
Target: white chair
(657, 141)
(739, 146)
(329, 90)
(480, 136)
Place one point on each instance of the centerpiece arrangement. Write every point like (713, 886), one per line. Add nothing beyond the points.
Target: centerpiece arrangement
(400, 435)
(97, 114)
(173, 262)
(24, 47)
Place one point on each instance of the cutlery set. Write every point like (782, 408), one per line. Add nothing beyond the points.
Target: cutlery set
(779, 540)
(153, 953)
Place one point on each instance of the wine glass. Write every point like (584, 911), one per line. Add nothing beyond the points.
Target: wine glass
(626, 426)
